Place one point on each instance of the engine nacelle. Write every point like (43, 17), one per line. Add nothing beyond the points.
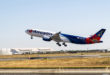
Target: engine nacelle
(47, 38)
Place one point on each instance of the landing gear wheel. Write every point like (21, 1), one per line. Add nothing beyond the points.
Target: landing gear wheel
(58, 44)
(65, 44)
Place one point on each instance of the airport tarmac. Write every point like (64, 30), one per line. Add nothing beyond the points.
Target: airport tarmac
(54, 71)
(53, 57)
(74, 56)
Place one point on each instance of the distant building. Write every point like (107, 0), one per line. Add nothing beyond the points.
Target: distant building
(5, 51)
(44, 50)
(24, 50)
(12, 51)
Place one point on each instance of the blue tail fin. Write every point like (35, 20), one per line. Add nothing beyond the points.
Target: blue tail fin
(98, 35)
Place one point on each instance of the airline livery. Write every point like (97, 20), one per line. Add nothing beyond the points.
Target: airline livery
(66, 38)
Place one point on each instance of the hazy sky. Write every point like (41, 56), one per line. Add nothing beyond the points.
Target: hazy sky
(77, 17)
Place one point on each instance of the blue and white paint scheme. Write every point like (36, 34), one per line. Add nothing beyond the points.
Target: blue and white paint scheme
(65, 38)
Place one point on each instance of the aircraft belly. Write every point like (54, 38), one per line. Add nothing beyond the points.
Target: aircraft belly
(57, 40)
(37, 35)
(64, 39)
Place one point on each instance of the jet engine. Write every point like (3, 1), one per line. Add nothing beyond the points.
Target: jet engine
(47, 38)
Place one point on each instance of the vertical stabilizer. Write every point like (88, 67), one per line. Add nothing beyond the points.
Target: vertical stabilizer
(98, 35)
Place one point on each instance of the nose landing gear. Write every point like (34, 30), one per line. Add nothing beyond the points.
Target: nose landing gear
(31, 37)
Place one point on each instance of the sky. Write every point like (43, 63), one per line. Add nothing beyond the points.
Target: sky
(76, 17)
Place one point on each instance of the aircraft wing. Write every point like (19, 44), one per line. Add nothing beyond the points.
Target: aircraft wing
(56, 37)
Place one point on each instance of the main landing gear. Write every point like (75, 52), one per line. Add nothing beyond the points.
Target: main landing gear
(65, 44)
(58, 44)
(62, 44)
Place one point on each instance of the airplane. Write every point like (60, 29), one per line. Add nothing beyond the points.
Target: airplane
(66, 38)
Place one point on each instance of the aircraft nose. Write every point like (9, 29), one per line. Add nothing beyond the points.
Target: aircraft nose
(28, 31)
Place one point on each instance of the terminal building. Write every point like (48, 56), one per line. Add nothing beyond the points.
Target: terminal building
(13, 51)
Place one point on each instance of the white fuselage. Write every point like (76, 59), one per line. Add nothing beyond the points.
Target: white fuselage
(40, 33)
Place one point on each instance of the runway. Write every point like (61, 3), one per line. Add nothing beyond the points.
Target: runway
(51, 57)
(74, 56)
(54, 71)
